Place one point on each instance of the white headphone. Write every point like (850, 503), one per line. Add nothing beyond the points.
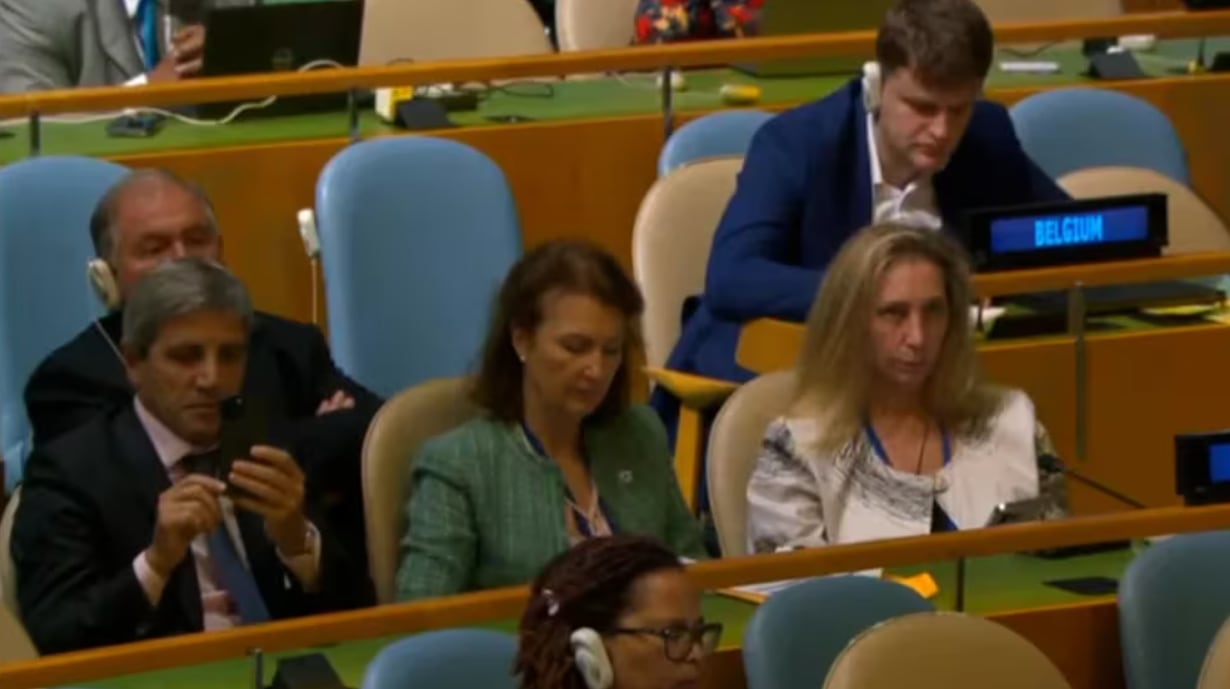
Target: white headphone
(872, 84)
(590, 657)
(102, 279)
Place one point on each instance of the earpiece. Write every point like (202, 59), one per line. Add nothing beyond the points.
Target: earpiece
(589, 655)
(103, 281)
(871, 86)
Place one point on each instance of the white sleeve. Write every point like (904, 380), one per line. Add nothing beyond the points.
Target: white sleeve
(783, 497)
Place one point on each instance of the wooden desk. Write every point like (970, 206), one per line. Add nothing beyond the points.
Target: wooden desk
(581, 170)
(1078, 635)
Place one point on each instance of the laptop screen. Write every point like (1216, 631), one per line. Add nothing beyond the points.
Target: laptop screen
(1083, 231)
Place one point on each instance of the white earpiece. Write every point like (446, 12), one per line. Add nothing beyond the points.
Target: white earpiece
(103, 281)
(871, 86)
(589, 655)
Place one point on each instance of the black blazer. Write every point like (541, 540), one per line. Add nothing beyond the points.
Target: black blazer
(88, 508)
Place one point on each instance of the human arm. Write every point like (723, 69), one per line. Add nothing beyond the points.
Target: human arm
(784, 511)
(754, 269)
(438, 551)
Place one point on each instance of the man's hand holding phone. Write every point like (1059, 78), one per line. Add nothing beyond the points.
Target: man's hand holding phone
(270, 483)
(184, 58)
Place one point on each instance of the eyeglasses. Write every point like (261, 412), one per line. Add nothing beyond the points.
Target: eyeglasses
(679, 641)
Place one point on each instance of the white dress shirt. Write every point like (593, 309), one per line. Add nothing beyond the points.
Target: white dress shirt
(217, 608)
(913, 206)
(131, 6)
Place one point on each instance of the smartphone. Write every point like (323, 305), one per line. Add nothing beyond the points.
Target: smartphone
(1086, 586)
(136, 126)
(509, 119)
(245, 422)
(1019, 511)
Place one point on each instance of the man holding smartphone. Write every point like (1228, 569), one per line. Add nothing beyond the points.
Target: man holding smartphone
(60, 44)
(127, 530)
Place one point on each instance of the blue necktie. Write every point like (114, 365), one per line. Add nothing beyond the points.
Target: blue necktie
(236, 578)
(147, 25)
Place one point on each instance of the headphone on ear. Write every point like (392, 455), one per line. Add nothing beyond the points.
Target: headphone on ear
(102, 279)
(871, 86)
(591, 660)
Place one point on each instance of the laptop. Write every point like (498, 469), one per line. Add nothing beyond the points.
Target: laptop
(791, 17)
(281, 38)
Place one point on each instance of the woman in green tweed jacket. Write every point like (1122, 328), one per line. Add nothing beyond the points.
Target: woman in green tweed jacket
(559, 455)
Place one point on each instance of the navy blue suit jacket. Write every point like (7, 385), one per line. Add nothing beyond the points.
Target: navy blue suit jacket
(805, 188)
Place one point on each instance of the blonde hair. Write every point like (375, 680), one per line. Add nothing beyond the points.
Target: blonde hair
(835, 365)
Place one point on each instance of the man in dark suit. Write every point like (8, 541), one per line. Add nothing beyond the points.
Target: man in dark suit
(315, 411)
(910, 143)
(136, 524)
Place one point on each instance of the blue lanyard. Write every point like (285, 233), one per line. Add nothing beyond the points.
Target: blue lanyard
(945, 522)
(583, 525)
(147, 23)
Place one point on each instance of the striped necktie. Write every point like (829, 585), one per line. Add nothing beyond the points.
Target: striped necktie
(147, 27)
(235, 577)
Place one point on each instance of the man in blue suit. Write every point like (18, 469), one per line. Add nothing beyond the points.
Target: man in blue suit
(910, 142)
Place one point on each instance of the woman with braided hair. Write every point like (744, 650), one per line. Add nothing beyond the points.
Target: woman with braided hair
(614, 613)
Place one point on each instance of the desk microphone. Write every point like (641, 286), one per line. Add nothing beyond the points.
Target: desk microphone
(1054, 464)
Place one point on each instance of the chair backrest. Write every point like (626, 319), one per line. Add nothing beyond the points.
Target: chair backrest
(833, 611)
(670, 245)
(734, 444)
(1194, 225)
(15, 644)
(416, 235)
(453, 658)
(423, 30)
(593, 25)
(1073, 128)
(1172, 602)
(943, 650)
(1216, 671)
(721, 134)
(393, 440)
(45, 299)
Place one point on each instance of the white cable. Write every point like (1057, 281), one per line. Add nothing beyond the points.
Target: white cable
(239, 109)
(314, 266)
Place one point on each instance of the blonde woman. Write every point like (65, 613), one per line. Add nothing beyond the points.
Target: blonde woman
(892, 432)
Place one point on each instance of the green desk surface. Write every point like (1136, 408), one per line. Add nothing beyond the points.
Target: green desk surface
(994, 584)
(568, 100)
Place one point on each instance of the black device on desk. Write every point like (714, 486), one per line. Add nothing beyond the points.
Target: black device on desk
(281, 38)
(1202, 467)
(139, 126)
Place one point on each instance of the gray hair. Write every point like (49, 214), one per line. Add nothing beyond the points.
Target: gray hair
(102, 220)
(178, 288)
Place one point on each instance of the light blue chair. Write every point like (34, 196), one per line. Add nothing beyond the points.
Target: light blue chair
(798, 633)
(445, 659)
(416, 235)
(726, 133)
(1172, 602)
(45, 299)
(1075, 128)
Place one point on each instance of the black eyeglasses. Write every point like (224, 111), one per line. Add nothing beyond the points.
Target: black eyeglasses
(678, 641)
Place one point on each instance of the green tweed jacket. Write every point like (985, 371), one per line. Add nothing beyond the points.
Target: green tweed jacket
(488, 510)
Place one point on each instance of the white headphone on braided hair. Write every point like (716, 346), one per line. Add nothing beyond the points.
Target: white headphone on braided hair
(591, 660)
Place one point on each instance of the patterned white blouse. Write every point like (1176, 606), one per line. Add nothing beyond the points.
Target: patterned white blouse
(799, 499)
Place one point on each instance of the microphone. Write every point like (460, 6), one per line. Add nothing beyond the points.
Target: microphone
(1054, 464)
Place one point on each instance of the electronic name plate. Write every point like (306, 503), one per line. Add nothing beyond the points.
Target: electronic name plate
(1084, 231)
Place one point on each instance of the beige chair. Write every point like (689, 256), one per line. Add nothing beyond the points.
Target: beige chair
(1194, 226)
(941, 651)
(422, 30)
(594, 24)
(15, 644)
(734, 443)
(1216, 672)
(670, 244)
(401, 426)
